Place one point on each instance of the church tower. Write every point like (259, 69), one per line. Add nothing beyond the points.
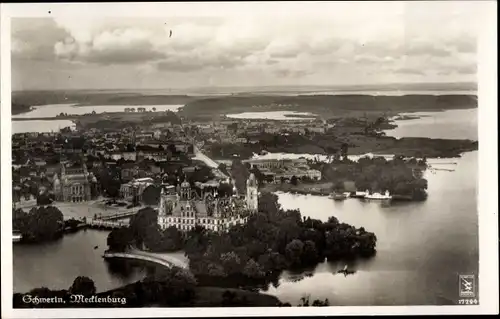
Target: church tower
(252, 197)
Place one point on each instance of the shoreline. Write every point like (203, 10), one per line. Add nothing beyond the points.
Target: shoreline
(179, 110)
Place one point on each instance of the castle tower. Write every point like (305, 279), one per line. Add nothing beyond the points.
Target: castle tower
(252, 197)
(185, 190)
(162, 210)
(163, 202)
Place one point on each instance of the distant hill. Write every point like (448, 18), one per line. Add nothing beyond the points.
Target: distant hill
(23, 100)
(329, 105)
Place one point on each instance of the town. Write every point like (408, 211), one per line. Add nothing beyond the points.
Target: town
(244, 159)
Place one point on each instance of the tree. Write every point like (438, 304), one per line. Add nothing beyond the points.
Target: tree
(344, 149)
(240, 174)
(173, 239)
(110, 183)
(231, 262)
(253, 270)
(225, 190)
(309, 253)
(119, 239)
(82, 286)
(151, 195)
(43, 199)
(268, 202)
(140, 223)
(41, 223)
(293, 252)
(215, 270)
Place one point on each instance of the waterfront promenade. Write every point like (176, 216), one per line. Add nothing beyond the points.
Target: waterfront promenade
(165, 259)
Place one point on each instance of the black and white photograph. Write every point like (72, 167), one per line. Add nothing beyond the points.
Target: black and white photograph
(296, 156)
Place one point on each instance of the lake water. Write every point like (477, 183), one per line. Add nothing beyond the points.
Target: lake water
(422, 247)
(52, 110)
(448, 124)
(56, 264)
(33, 126)
(273, 115)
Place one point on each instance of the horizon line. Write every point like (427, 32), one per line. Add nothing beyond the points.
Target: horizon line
(383, 86)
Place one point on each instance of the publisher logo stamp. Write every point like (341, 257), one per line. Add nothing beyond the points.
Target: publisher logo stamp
(467, 286)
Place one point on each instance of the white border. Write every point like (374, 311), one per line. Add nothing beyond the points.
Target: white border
(488, 161)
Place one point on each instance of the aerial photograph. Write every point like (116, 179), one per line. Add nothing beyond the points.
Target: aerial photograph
(310, 158)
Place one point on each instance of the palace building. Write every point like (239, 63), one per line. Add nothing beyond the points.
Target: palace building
(185, 208)
(74, 184)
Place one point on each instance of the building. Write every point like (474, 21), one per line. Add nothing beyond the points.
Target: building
(135, 188)
(75, 183)
(274, 163)
(184, 208)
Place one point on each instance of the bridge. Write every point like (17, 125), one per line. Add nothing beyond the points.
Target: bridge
(118, 216)
(160, 259)
(103, 224)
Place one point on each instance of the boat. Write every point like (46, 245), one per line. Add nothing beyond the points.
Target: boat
(346, 271)
(378, 196)
(359, 195)
(16, 237)
(337, 196)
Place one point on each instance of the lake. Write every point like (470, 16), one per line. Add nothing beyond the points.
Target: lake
(56, 264)
(421, 247)
(273, 115)
(52, 110)
(40, 126)
(450, 124)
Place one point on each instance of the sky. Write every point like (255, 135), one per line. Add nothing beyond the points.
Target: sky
(344, 43)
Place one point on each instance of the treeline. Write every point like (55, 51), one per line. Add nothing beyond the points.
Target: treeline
(18, 108)
(327, 104)
(39, 224)
(97, 98)
(164, 287)
(377, 174)
(271, 241)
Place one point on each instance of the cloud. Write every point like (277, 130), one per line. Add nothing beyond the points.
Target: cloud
(119, 46)
(34, 38)
(345, 40)
(288, 73)
(409, 71)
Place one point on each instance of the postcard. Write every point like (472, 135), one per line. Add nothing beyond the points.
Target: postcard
(249, 159)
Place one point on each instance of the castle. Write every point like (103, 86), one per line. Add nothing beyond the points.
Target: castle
(184, 208)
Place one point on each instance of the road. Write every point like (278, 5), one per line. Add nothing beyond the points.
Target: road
(210, 163)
